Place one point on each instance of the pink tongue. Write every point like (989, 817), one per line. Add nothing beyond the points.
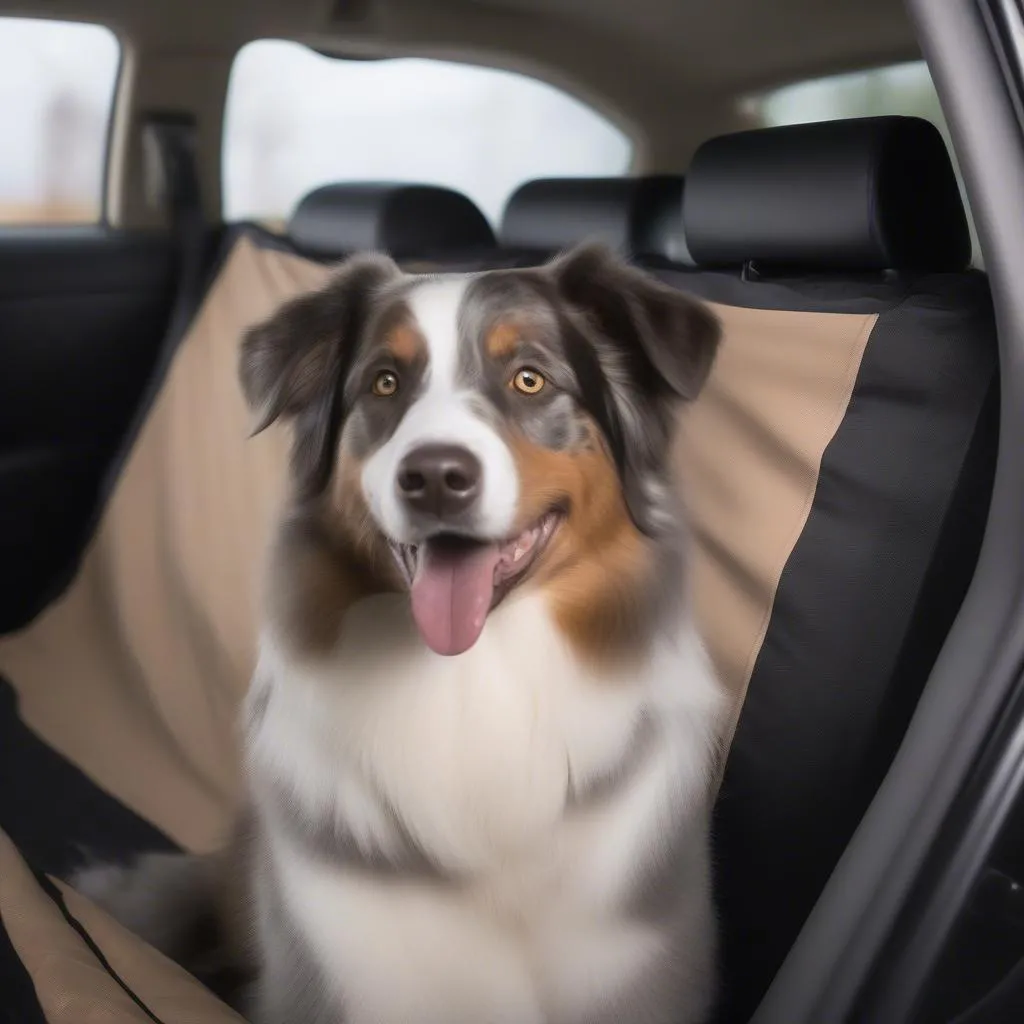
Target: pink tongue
(452, 592)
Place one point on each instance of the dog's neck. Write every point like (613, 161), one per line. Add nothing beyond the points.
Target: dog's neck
(477, 756)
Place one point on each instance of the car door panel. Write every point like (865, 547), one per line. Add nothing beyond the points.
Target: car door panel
(82, 315)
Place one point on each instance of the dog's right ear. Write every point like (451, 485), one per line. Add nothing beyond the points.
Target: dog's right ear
(292, 365)
(292, 361)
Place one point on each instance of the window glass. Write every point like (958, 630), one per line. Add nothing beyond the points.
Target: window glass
(296, 119)
(899, 89)
(57, 83)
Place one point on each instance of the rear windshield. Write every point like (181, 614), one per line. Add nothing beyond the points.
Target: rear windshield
(296, 119)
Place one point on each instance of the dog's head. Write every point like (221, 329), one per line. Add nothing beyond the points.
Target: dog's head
(486, 430)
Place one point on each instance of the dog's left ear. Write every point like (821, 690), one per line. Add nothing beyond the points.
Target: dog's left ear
(668, 338)
(643, 349)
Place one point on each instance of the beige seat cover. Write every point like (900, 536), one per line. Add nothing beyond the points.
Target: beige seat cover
(136, 672)
(73, 987)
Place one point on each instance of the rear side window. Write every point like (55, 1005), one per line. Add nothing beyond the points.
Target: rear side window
(296, 119)
(57, 83)
(898, 89)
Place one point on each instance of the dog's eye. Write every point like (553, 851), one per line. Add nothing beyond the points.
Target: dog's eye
(528, 382)
(385, 384)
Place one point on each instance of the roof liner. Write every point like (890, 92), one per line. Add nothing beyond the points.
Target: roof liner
(670, 68)
(736, 45)
(710, 45)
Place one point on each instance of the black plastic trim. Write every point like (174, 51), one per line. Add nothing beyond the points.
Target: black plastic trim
(976, 818)
(956, 860)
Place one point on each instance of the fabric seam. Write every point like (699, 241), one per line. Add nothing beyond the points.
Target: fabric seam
(852, 374)
(51, 890)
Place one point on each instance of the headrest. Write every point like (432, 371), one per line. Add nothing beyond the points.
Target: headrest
(873, 193)
(635, 215)
(399, 219)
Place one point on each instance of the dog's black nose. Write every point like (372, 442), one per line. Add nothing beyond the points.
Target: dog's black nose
(439, 479)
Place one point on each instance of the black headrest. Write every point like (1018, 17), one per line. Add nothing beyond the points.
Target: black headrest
(399, 219)
(873, 193)
(641, 216)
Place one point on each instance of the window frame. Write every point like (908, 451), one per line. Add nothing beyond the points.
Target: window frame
(108, 138)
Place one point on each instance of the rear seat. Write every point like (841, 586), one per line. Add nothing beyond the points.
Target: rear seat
(838, 469)
(638, 216)
(837, 253)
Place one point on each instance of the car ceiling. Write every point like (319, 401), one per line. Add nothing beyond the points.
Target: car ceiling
(738, 44)
(703, 45)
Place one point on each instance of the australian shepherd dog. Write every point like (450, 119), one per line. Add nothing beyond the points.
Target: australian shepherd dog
(482, 735)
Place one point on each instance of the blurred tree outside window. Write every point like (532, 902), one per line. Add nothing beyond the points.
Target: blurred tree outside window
(57, 82)
(898, 89)
(296, 119)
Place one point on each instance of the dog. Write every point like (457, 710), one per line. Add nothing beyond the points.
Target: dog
(482, 735)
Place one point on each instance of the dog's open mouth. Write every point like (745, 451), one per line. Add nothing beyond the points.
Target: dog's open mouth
(455, 581)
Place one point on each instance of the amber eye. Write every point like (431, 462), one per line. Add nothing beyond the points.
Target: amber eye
(385, 384)
(528, 382)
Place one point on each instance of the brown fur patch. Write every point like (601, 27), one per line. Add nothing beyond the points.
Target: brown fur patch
(329, 555)
(503, 339)
(598, 569)
(405, 343)
(349, 520)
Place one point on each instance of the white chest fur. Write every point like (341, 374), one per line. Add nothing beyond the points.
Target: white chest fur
(476, 754)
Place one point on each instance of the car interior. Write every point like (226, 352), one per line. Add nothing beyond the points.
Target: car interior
(839, 469)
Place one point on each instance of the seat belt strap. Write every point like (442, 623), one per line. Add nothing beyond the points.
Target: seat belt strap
(169, 140)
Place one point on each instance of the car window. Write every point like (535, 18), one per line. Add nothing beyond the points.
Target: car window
(296, 119)
(897, 89)
(57, 83)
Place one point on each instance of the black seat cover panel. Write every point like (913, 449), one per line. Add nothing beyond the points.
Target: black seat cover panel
(831, 218)
(864, 603)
